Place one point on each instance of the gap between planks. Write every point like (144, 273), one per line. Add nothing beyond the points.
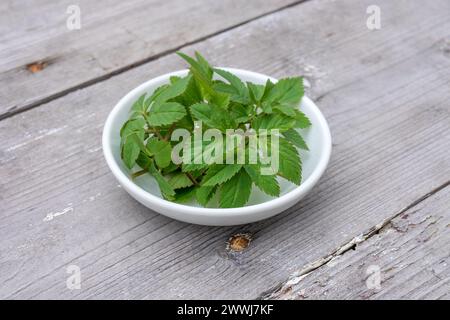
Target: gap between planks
(341, 250)
(138, 63)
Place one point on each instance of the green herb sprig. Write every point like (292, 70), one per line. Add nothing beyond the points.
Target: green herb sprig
(223, 104)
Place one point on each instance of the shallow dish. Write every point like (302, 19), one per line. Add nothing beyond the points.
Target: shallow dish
(260, 206)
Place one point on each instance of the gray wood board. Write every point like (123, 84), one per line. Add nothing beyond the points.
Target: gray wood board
(407, 258)
(385, 95)
(114, 36)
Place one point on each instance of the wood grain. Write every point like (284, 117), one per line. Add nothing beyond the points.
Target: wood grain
(385, 95)
(410, 254)
(114, 36)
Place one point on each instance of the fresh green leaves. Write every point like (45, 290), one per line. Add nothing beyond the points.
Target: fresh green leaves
(217, 99)
(237, 89)
(220, 173)
(177, 88)
(301, 120)
(236, 191)
(295, 138)
(180, 180)
(203, 74)
(140, 105)
(166, 189)
(132, 134)
(240, 113)
(213, 116)
(201, 70)
(161, 150)
(275, 121)
(282, 97)
(166, 113)
(204, 194)
(256, 91)
(267, 183)
(289, 161)
(287, 92)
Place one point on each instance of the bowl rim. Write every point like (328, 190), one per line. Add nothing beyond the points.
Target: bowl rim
(254, 209)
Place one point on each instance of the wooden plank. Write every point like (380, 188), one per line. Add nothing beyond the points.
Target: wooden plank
(407, 258)
(114, 36)
(385, 94)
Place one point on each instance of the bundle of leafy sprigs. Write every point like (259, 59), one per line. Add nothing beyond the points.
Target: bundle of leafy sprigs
(222, 104)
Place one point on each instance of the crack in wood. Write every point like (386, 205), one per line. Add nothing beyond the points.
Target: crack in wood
(296, 277)
(14, 111)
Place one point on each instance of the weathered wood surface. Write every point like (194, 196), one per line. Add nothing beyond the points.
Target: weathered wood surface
(385, 95)
(407, 257)
(114, 36)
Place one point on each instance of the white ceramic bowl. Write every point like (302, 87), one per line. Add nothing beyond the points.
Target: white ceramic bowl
(260, 206)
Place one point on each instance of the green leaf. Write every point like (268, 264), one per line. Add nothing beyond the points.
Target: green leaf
(272, 121)
(239, 112)
(286, 109)
(295, 138)
(186, 123)
(266, 107)
(132, 126)
(161, 150)
(189, 167)
(130, 152)
(223, 87)
(200, 71)
(139, 105)
(267, 88)
(170, 168)
(223, 96)
(237, 89)
(219, 173)
(301, 120)
(207, 69)
(132, 132)
(191, 95)
(202, 112)
(221, 119)
(256, 91)
(172, 91)
(185, 194)
(166, 189)
(144, 161)
(287, 91)
(236, 192)
(290, 166)
(154, 95)
(180, 180)
(166, 113)
(213, 116)
(204, 194)
(267, 183)
(219, 99)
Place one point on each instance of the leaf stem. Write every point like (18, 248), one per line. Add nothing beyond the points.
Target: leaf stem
(138, 173)
(156, 131)
(169, 132)
(191, 178)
